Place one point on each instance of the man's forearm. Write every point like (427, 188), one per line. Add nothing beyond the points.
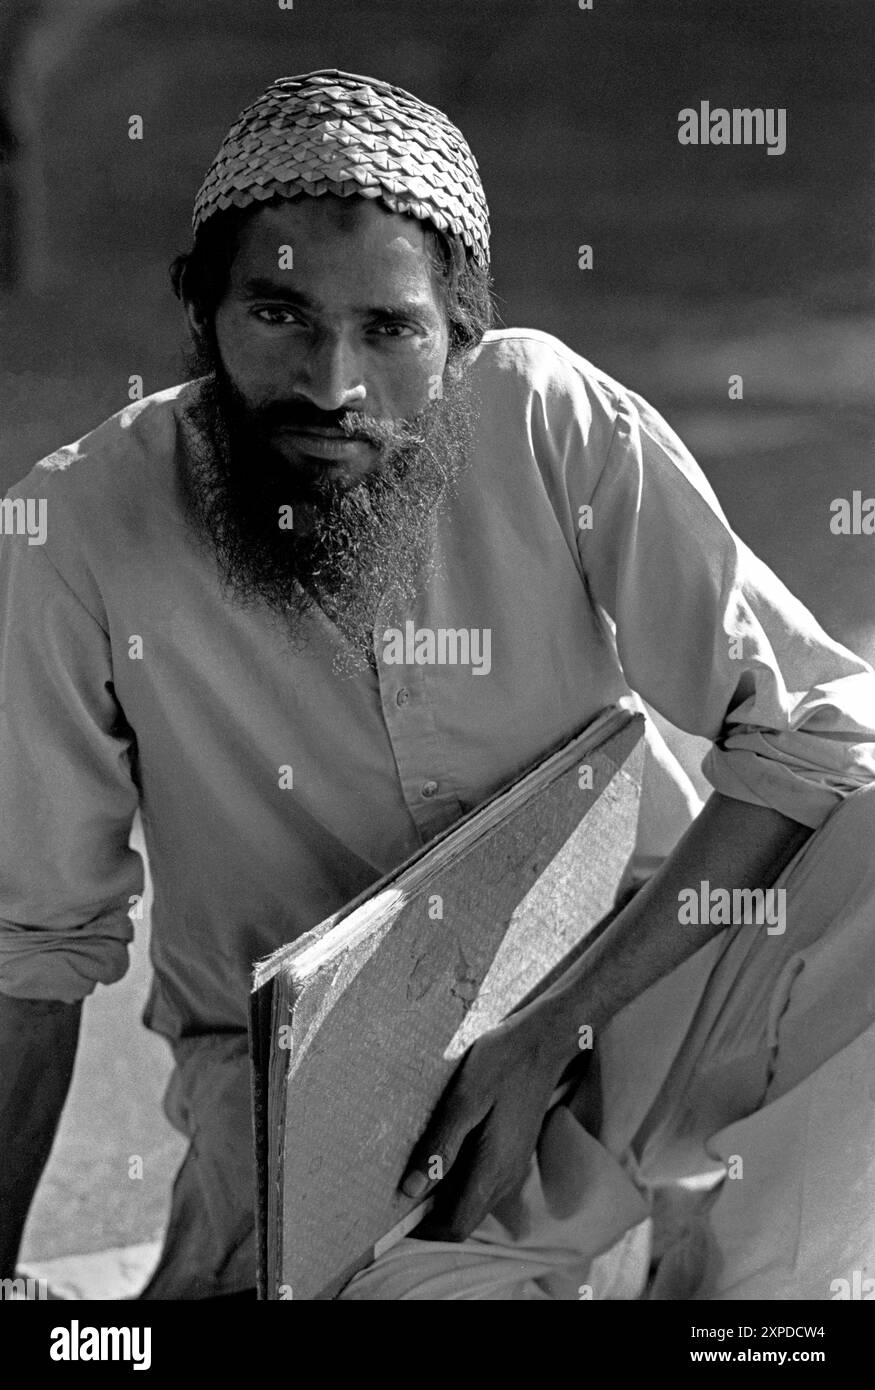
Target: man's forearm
(38, 1041)
(730, 845)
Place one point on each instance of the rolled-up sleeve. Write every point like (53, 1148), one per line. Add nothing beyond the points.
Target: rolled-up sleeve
(711, 637)
(67, 796)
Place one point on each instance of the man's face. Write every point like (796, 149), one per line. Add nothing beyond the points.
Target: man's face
(353, 327)
(328, 392)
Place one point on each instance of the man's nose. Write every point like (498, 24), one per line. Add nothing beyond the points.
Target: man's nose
(330, 375)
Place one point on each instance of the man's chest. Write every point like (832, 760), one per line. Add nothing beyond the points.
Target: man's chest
(500, 656)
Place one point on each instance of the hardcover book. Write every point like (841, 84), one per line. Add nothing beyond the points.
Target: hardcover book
(357, 1026)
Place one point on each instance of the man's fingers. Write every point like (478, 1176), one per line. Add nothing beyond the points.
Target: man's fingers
(455, 1221)
(469, 1193)
(438, 1149)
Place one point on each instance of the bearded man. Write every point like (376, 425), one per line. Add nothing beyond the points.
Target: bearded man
(201, 637)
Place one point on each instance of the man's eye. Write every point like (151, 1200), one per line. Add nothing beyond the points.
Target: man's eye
(275, 315)
(395, 330)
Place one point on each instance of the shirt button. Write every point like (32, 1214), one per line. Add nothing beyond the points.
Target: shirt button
(428, 789)
(403, 696)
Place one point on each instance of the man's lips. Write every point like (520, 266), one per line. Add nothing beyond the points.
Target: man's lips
(331, 445)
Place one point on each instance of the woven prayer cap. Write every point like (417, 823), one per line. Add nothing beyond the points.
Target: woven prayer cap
(336, 132)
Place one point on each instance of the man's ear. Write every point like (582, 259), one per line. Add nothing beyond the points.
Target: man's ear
(180, 278)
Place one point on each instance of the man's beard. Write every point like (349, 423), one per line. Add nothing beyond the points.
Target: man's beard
(356, 549)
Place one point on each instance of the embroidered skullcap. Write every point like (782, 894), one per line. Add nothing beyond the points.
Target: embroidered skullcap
(335, 132)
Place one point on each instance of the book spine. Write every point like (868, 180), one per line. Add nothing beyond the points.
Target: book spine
(260, 1010)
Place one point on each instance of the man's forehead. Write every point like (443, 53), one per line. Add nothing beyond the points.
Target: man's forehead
(313, 235)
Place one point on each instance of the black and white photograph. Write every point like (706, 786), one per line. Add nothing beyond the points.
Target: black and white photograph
(437, 712)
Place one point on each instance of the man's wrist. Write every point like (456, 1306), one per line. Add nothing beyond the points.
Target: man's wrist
(558, 1026)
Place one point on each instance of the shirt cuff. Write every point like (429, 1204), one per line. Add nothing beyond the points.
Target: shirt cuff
(66, 965)
(762, 778)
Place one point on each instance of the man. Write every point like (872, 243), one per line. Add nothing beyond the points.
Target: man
(204, 635)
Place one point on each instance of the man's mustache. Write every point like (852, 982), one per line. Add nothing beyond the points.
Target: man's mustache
(352, 424)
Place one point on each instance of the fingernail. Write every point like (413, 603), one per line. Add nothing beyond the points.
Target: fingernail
(414, 1184)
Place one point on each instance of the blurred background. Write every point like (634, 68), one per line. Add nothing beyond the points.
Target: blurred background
(709, 262)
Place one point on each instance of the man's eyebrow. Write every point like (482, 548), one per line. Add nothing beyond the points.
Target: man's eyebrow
(262, 288)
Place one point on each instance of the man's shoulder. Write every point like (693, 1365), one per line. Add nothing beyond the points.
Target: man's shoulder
(540, 362)
(129, 450)
(525, 362)
(97, 500)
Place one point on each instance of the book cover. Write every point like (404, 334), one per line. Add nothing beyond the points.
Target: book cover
(357, 1027)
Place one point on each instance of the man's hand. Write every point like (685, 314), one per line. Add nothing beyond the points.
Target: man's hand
(482, 1135)
(487, 1122)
